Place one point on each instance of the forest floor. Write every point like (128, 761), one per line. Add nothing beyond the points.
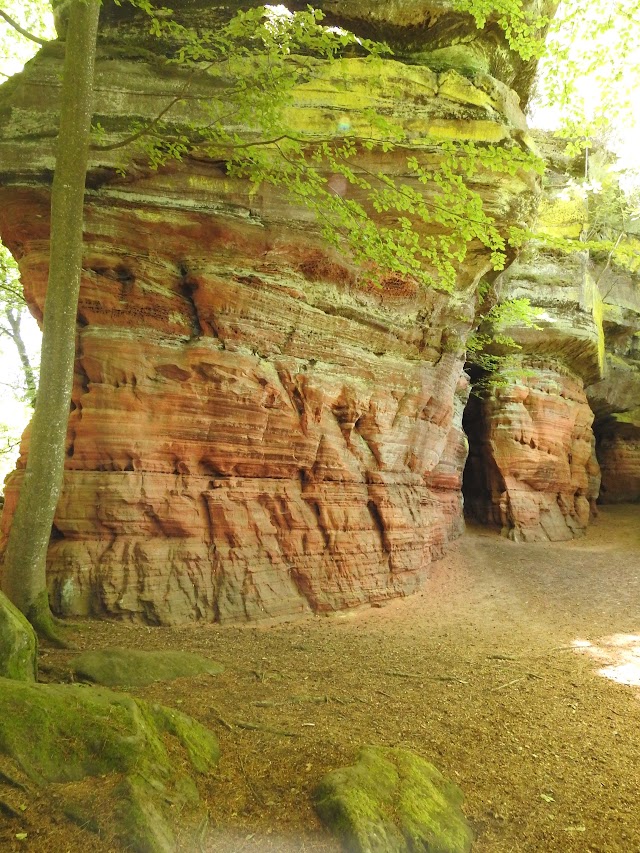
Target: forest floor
(516, 671)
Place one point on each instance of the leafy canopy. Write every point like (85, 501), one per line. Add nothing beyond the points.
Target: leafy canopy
(419, 226)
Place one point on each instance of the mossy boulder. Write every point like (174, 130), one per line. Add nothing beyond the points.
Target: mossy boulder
(393, 801)
(18, 643)
(133, 668)
(69, 733)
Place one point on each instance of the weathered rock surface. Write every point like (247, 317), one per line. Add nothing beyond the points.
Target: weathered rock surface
(533, 472)
(393, 801)
(619, 457)
(253, 432)
(615, 399)
(532, 468)
(87, 733)
(18, 643)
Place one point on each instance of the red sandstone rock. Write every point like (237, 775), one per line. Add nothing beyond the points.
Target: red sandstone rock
(534, 472)
(253, 433)
(619, 457)
(245, 442)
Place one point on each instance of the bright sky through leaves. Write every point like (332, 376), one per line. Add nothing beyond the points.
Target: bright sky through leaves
(589, 84)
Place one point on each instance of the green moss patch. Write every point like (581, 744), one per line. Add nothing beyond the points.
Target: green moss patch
(18, 644)
(393, 801)
(68, 733)
(131, 668)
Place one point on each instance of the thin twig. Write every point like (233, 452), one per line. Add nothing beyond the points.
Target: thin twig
(143, 132)
(398, 673)
(608, 264)
(383, 693)
(255, 727)
(509, 683)
(250, 784)
(448, 678)
(221, 719)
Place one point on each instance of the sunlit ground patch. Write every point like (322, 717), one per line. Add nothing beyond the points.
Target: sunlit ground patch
(621, 655)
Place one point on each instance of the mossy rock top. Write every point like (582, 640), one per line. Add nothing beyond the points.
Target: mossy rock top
(67, 733)
(133, 668)
(393, 801)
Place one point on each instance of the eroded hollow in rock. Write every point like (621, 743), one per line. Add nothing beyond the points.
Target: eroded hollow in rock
(618, 452)
(531, 468)
(476, 489)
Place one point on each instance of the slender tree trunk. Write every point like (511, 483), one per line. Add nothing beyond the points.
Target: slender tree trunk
(24, 577)
(13, 318)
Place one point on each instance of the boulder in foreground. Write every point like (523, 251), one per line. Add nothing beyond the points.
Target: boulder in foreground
(130, 756)
(393, 801)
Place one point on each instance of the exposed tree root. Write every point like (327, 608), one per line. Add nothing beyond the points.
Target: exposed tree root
(45, 626)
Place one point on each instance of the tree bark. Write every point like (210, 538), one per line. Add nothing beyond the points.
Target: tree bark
(24, 576)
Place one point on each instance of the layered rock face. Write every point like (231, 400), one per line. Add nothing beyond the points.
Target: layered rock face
(533, 469)
(561, 429)
(254, 432)
(619, 456)
(615, 398)
(290, 445)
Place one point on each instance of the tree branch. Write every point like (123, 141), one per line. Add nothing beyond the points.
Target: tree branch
(144, 131)
(9, 446)
(13, 317)
(16, 26)
(14, 292)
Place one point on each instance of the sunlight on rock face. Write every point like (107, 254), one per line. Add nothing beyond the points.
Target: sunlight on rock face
(620, 653)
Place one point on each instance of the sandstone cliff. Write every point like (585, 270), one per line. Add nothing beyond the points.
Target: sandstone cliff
(255, 431)
(562, 422)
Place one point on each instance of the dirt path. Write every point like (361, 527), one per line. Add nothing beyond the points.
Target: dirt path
(496, 673)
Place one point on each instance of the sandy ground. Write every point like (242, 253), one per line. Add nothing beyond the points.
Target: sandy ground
(516, 671)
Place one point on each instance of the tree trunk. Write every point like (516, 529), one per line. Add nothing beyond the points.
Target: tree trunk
(24, 577)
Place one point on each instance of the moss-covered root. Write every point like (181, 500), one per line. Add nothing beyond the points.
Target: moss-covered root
(92, 732)
(44, 623)
(393, 801)
(18, 643)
